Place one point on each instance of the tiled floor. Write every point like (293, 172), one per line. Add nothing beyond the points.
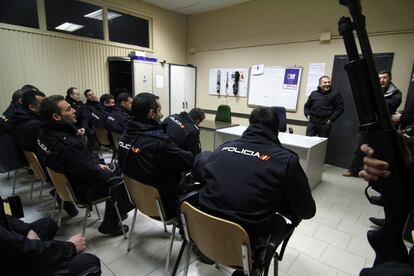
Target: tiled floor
(331, 243)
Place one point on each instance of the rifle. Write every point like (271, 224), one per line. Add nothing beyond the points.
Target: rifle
(374, 118)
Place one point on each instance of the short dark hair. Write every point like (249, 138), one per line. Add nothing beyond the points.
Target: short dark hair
(265, 116)
(123, 97)
(29, 87)
(197, 114)
(50, 105)
(29, 97)
(70, 90)
(17, 95)
(86, 92)
(388, 72)
(105, 98)
(143, 103)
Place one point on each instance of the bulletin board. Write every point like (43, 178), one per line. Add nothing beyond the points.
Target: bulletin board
(274, 86)
(221, 81)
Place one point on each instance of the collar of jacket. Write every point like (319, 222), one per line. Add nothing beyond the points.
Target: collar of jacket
(72, 101)
(122, 109)
(257, 133)
(60, 126)
(92, 103)
(143, 124)
(23, 114)
(390, 90)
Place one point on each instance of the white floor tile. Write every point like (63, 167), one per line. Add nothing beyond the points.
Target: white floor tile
(361, 248)
(308, 266)
(343, 260)
(333, 236)
(307, 245)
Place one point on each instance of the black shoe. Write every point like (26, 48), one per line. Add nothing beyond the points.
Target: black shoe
(237, 273)
(113, 231)
(376, 200)
(377, 221)
(124, 216)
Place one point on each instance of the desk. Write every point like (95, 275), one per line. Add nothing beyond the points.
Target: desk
(207, 133)
(311, 150)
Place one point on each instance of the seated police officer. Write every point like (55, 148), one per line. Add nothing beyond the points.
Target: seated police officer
(73, 98)
(62, 150)
(269, 179)
(29, 249)
(108, 103)
(93, 113)
(27, 121)
(121, 114)
(149, 155)
(183, 129)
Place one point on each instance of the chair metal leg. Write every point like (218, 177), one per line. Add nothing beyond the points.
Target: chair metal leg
(14, 182)
(84, 220)
(187, 258)
(8, 175)
(60, 214)
(52, 215)
(120, 219)
(131, 233)
(275, 266)
(180, 254)
(167, 262)
(97, 212)
(31, 192)
(41, 190)
(161, 215)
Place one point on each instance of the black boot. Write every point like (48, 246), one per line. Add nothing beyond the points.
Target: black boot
(111, 224)
(377, 221)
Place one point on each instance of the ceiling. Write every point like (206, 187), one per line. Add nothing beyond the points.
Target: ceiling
(188, 7)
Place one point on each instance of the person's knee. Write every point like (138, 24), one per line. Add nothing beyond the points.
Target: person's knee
(84, 264)
(46, 228)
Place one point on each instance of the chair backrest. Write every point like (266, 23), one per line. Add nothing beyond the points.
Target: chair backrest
(11, 157)
(35, 165)
(102, 136)
(62, 185)
(144, 197)
(223, 113)
(219, 239)
(281, 113)
(116, 137)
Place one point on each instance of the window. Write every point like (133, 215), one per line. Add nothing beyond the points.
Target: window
(74, 17)
(128, 29)
(19, 12)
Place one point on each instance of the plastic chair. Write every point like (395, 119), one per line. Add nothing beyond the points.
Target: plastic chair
(38, 173)
(148, 201)
(65, 192)
(226, 242)
(223, 113)
(102, 136)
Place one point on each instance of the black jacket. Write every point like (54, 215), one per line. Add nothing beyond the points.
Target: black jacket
(4, 125)
(118, 119)
(184, 132)
(26, 127)
(393, 98)
(60, 149)
(324, 106)
(21, 255)
(95, 114)
(149, 155)
(82, 122)
(249, 179)
(11, 110)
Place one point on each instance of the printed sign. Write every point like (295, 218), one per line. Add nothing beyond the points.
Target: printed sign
(291, 78)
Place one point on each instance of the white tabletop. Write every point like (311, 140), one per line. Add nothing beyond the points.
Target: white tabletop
(284, 138)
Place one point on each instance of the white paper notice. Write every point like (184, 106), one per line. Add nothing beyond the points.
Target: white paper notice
(159, 81)
(257, 69)
(316, 70)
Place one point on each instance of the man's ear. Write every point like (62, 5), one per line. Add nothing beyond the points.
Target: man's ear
(32, 108)
(56, 117)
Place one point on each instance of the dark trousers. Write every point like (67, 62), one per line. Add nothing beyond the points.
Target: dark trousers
(321, 130)
(80, 264)
(389, 268)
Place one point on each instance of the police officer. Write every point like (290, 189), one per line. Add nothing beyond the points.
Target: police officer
(93, 112)
(62, 150)
(27, 121)
(73, 98)
(29, 249)
(149, 155)
(269, 179)
(121, 114)
(183, 129)
(322, 108)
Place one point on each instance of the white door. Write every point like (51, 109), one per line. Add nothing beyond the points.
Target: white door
(160, 80)
(177, 89)
(142, 77)
(190, 89)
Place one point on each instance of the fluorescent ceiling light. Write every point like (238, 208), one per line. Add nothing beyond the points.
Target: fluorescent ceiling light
(98, 15)
(69, 27)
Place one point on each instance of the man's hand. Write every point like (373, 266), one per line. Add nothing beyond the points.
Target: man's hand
(79, 241)
(81, 132)
(308, 118)
(373, 168)
(328, 122)
(396, 118)
(32, 235)
(104, 167)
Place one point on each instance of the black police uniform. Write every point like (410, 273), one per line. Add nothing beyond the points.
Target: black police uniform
(26, 126)
(12, 109)
(250, 179)
(322, 106)
(21, 256)
(94, 113)
(60, 149)
(184, 132)
(118, 119)
(4, 125)
(82, 122)
(149, 155)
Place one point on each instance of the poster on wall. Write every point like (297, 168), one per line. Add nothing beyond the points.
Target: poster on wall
(291, 79)
(228, 82)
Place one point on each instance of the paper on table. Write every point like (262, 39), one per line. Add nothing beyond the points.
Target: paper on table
(159, 81)
(316, 70)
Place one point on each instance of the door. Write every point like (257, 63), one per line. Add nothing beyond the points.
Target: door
(160, 81)
(182, 88)
(142, 77)
(190, 88)
(342, 141)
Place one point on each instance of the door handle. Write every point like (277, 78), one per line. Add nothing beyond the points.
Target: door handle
(186, 104)
(183, 105)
